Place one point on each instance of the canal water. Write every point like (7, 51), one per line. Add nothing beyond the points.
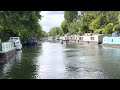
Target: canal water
(61, 61)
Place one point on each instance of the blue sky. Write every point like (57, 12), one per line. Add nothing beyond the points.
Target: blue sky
(51, 19)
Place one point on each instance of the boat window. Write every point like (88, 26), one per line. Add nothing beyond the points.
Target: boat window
(15, 38)
(82, 38)
(17, 42)
(112, 40)
(92, 38)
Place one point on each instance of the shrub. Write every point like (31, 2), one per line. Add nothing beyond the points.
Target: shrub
(99, 31)
(116, 27)
(108, 29)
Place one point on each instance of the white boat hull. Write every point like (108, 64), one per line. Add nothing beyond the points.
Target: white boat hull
(19, 47)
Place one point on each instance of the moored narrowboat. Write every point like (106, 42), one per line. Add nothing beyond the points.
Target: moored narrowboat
(7, 51)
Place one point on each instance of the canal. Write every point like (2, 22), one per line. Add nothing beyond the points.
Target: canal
(60, 61)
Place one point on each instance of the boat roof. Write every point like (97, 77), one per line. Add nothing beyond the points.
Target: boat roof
(14, 37)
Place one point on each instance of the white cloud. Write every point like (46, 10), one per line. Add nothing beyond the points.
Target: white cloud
(51, 19)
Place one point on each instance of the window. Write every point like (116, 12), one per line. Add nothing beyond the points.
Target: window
(16, 38)
(92, 38)
(112, 40)
(80, 38)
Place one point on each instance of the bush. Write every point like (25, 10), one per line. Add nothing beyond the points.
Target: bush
(108, 29)
(99, 31)
(116, 27)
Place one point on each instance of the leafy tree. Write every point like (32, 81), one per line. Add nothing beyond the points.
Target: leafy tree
(23, 23)
(108, 28)
(44, 34)
(55, 31)
(98, 21)
(73, 28)
(69, 16)
(95, 24)
(64, 27)
(85, 20)
(99, 30)
(116, 27)
(111, 17)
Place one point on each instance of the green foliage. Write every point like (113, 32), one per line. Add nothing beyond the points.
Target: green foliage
(99, 30)
(81, 30)
(69, 16)
(73, 28)
(55, 31)
(64, 27)
(116, 27)
(1, 27)
(44, 34)
(108, 28)
(111, 17)
(4, 34)
(23, 23)
(98, 21)
(70, 24)
(85, 20)
(119, 18)
(95, 24)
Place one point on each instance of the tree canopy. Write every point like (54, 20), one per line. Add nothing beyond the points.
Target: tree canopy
(21, 23)
(55, 31)
(64, 27)
(98, 21)
(69, 16)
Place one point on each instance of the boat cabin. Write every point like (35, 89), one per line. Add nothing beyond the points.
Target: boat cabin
(114, 39)
(16, 41)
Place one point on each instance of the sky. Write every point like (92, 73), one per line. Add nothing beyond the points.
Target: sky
(51, 19)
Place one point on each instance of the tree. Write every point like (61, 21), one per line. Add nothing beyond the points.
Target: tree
(73, 28)
(70, 24)
(95, 24)
(108, 28)
(85, 20)
(69, 16)
(44, 34)
(116, 27)
(23, 23)
(64, 27)
(98, 21)
(55, 31)
(99, 30)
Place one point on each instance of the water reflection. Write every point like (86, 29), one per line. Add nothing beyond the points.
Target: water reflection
(52, 60)
(23, 66)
